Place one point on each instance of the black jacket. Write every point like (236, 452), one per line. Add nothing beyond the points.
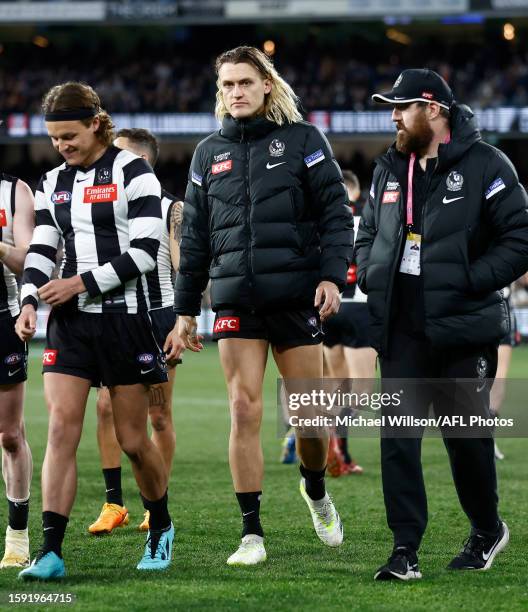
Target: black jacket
(266, 217)
(474, 239)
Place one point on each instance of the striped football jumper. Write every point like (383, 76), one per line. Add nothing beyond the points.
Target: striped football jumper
(8, 282)
(109, 219)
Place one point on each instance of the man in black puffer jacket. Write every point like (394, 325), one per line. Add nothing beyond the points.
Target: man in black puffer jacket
(266, 217)
(445, 228)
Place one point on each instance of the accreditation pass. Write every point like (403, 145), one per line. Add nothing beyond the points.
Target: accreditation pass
(410, 263)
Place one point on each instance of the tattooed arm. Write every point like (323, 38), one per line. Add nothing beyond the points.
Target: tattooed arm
(175, 233)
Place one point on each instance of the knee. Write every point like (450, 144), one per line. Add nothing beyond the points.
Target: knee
(104, 408)
(245, 414)
(62, 432)
(160, 419)
(131, 444)
(12, 440)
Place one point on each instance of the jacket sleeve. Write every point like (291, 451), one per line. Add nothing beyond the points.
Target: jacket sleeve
(365, 237)
(335, 221)
(506, 205)
(195, 250)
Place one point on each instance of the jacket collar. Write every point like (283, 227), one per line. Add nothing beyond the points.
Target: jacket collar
(464, 134)
(246, 129)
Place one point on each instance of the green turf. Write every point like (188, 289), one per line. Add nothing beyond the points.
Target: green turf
(301, 574)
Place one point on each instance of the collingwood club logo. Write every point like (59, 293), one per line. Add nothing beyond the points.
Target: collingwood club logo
(104, 175)
(454, 181)
(277, 148)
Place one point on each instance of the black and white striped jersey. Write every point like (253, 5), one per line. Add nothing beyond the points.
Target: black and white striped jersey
(8, 282)
(109, 219)
(160, 281)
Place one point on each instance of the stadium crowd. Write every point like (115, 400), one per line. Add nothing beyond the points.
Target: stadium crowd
(172, 77)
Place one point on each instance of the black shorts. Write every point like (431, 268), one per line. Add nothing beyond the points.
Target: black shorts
(348, 327)
(287, 329)
(106, 348)
(13, 352)
(163, 320)
(513, 337)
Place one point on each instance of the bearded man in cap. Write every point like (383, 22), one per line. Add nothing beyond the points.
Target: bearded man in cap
(445, 229)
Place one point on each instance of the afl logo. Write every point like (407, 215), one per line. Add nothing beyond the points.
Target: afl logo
(61, 197)
(145, 358)
(277, 148)
(13, 359)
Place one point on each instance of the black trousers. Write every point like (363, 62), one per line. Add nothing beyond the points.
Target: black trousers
(472, 459)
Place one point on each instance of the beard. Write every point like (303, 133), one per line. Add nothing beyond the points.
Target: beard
(416, 140)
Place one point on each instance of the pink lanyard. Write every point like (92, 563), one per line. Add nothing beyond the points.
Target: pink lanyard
(410, 174)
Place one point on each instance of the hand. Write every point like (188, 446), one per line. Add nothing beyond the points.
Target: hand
(61, 290)
(327, 299)
(173, 347)
(26, 324)
(187, 332)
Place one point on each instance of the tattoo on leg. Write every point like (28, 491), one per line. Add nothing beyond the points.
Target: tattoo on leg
(156, 396)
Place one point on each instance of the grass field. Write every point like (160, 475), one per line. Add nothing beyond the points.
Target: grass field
(301, 574)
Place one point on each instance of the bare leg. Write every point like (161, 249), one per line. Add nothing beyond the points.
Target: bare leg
(335, 365)
(17, 465)
(498, 390)
(160, 411)
(109, 448)
(130, 407)
(66, 398)
(244, 362)
(305, 362)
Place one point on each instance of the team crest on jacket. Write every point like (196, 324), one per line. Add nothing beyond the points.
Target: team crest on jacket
(454, 181)
(277, 148)
(482, 367)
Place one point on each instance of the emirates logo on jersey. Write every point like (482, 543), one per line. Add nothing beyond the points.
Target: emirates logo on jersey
(3, 217)
(100, 193)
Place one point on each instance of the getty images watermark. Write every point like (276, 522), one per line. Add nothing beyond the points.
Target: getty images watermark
(403, 407)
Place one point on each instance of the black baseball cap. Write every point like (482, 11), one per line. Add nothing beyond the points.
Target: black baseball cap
(418, 85)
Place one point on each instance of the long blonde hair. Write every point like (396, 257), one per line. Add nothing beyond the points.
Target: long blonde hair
(280, 104)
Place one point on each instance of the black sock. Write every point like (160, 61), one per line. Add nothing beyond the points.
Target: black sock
(112, 478)
(159, 513)
(54, 526)
(250, 507)
(315, 482)
(18, 514)
(343, 445)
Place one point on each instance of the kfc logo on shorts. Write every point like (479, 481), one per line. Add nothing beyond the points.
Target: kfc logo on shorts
(145, 358)
(390, 197)
(3, 218)
(100, 193)
(50, 357)
(61, 197)
(13, 359)
(227, 324)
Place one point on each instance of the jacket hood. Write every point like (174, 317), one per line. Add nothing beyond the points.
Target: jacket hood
(246, 129)
(464, 134)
